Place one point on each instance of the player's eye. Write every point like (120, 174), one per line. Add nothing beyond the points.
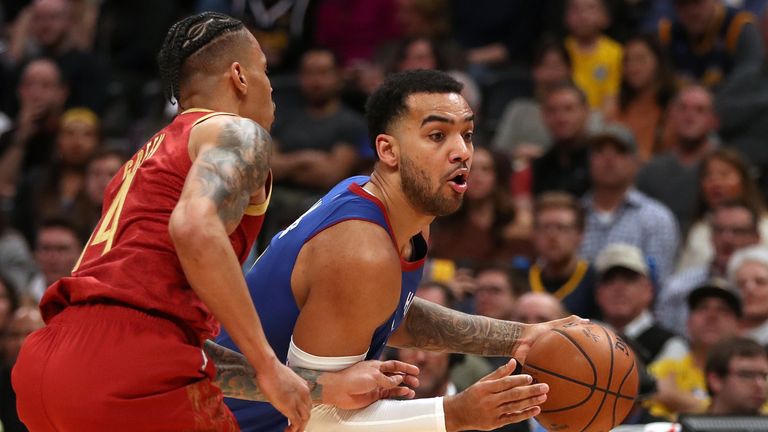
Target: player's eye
(437, 136)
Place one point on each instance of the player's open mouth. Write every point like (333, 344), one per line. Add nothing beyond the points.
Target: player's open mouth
(459, 181)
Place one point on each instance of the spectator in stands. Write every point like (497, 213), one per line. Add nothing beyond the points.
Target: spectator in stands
(742, 107)
(372, 22)
(724, 176)
(624, 294)
(734, 226)
(57, 250)
(24, 321)
(483, 228)
(596, 57)
(425, 53)
(647, 87)
(283, 29)
(737, 377)
(558, 227)
(48, 30)
(708, 41)
(317, 143)
(99, 171)
(9, 301)
(748, 271)
(521, 132)
(616, 212)
(564, 166)
(714, 313)
(54, 190)
(16, 261)
(496, 291)
(537, 307)
(42, 94)
(672, 177)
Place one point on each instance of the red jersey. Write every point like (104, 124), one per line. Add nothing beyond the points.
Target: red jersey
(130, 258)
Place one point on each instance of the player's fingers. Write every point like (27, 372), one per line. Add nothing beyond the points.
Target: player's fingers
(501, 371)
(506, 382)
(517, 394)
(573, 319)
(390, 381)
(522, 404)
(395, 366)
(518, 416)
(401, 393)
(411, 381)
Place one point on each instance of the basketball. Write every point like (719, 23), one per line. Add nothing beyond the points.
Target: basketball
(592, 377)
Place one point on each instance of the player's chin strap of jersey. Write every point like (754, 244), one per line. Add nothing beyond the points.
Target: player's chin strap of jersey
(417, 415)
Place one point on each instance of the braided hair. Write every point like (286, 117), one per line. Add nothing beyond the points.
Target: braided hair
(186, 38)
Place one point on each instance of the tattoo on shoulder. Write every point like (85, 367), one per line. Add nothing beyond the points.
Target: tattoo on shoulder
(437, 328)
(237, 167)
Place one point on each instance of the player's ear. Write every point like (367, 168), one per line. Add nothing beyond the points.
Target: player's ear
(388, 149)
(237, 76)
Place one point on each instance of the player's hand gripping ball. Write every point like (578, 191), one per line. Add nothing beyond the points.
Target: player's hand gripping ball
(592, 377)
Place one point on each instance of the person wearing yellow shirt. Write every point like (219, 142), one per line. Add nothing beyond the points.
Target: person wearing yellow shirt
(681, 385)
(596, 58)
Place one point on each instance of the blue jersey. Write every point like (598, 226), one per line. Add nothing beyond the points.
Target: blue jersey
(269, 283)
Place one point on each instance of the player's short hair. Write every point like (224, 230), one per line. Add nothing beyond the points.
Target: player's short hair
(388, 102)
(190, 41)
(559, 200)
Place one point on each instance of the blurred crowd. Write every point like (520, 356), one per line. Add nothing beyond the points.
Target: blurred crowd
(620, 169)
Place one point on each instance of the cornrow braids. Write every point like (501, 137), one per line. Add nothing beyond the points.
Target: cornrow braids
(185, 38)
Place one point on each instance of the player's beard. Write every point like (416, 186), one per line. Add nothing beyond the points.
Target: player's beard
(416, 189)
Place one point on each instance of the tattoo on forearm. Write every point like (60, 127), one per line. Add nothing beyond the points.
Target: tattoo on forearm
(232, 171)
(436, 328)
(234, 375)
(237, 379)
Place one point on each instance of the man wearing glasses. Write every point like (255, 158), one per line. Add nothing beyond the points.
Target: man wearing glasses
(737, 372)
(734, 226)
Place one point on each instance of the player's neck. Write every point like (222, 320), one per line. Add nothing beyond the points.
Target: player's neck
(406, 221)
(205, 101)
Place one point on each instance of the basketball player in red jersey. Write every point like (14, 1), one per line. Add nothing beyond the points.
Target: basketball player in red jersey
(122, 345)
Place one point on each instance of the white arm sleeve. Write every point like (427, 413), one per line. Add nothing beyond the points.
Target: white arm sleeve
(418, 415)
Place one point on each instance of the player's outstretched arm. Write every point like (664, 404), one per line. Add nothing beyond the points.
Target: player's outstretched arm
(230, 162)
(355, 387)
(432, 327)
(496, 400)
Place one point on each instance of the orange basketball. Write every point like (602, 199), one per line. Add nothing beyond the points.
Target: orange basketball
(592, 377)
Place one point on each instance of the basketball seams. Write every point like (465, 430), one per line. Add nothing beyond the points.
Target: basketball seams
(565, 374)
(583, 353)
(607, 385)
(621, 385)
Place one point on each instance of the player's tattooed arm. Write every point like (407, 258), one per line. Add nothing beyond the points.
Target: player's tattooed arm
(231, 171)
(237, 379)
(432, 327)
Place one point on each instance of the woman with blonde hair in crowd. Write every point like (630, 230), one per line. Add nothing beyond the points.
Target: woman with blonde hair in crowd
(748, 270)
(724, 176)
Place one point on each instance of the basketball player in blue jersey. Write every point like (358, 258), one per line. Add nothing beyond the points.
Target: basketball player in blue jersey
(338, 284)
